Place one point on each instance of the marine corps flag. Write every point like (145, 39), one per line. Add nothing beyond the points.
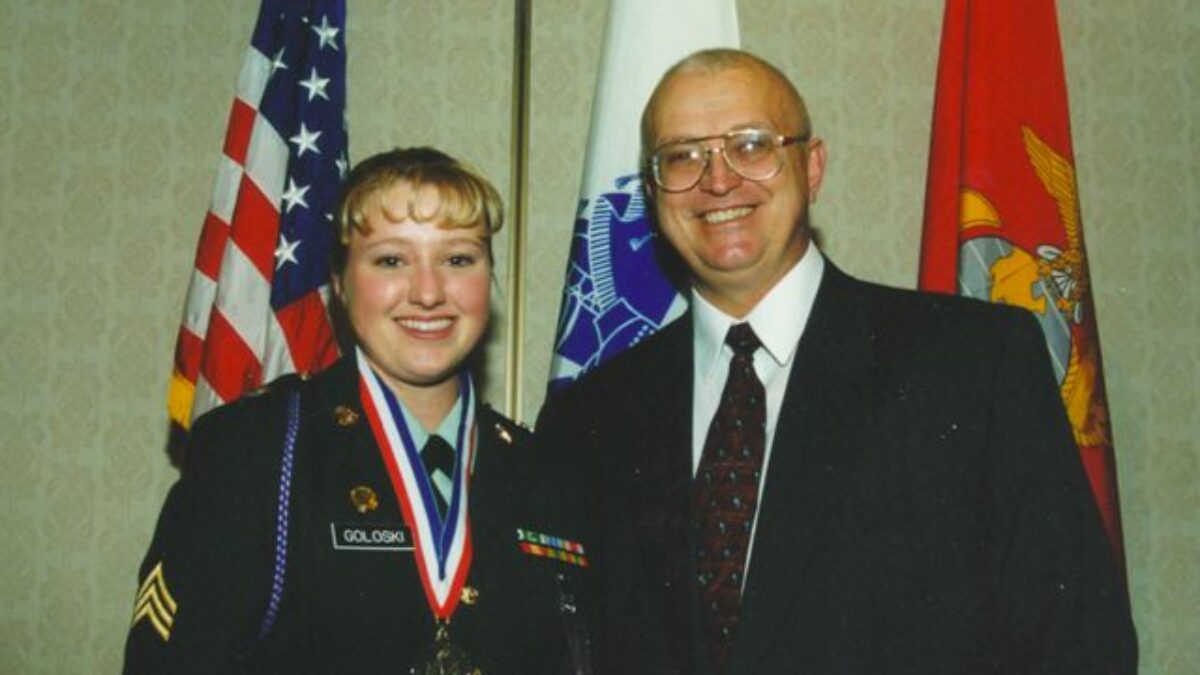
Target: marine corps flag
(1002, 216)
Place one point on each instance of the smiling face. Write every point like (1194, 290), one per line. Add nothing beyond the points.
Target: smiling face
(738, 237)
(415, 292)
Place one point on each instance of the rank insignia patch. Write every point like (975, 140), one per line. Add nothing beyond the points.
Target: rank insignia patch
(547, 546)
(155, 604)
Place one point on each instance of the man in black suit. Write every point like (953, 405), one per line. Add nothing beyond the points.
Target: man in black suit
(868, 480)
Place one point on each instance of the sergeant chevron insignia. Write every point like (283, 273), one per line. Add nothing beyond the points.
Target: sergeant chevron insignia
(155, 604)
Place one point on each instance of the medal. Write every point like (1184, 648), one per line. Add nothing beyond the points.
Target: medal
(444, 657)
(442, 544)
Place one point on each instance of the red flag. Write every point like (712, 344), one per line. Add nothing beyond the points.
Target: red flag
(1002, 217)
(256, 306)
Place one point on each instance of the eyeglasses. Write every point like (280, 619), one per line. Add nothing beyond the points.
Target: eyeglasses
(752, 154)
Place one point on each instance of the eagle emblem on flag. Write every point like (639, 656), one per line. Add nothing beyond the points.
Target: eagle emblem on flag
(1050, 282)
(615, 295)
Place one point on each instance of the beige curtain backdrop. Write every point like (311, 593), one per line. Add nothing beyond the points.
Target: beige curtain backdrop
(111, 119)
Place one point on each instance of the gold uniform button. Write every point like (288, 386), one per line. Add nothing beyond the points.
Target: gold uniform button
(345, 416)
(363, 499)
(469, 595)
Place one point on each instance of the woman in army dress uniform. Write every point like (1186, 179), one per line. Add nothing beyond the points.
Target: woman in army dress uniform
(370, 519)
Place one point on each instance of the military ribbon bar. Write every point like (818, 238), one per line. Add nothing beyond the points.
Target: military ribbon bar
(548, 546)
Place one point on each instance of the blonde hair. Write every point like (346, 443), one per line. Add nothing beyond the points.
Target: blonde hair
(465, 197)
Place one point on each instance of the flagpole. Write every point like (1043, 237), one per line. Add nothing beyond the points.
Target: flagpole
(518, 201)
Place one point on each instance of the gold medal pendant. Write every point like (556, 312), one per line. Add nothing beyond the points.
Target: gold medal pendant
(444, 657)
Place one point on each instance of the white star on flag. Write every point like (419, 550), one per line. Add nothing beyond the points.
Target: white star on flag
(327, 34)
(277, 62)
(286, 252)
(306, 140)
(315, 84)
(258, 302)
(294, 195)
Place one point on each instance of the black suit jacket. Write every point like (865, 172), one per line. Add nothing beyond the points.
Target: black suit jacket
(344, 609)
(924, 511)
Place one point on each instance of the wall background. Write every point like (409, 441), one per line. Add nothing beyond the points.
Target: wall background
(111, 119)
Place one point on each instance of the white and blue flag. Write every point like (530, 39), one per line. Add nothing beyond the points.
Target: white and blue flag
(615, 294)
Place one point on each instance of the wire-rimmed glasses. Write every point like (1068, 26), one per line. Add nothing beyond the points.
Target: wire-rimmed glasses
(753, 154)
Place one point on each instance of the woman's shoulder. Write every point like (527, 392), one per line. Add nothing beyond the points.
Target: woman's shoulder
(246, 434)
(271, 400)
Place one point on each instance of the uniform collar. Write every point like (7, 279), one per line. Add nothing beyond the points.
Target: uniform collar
(778, 319)
(448, 429)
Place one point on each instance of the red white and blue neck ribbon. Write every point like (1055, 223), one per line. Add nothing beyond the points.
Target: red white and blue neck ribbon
(442, 546)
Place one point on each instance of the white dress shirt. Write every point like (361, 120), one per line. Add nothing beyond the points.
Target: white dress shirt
(778, 320)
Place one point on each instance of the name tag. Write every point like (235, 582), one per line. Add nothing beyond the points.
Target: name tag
(358, 537)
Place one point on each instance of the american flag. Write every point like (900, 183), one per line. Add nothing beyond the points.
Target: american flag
(256, 306)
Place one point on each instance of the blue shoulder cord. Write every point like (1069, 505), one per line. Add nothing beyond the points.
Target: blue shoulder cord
(281, 516)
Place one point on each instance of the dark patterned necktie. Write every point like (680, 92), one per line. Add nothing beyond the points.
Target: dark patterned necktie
(726, 495)
(438, 458)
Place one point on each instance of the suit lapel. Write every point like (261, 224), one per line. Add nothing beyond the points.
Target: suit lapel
(658, 466)
(824, 425)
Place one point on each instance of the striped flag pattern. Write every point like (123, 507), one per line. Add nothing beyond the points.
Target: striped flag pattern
(615, 295)
(256, 305)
